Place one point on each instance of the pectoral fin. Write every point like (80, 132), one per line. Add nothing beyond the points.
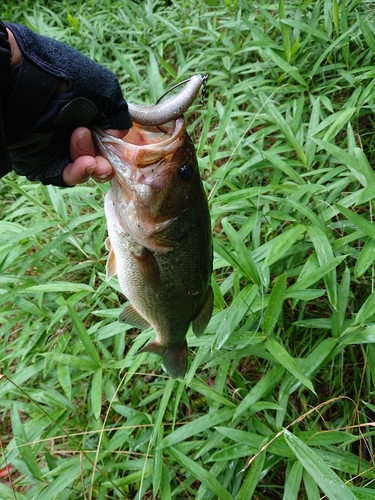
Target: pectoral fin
(111, 261)
(203, 317)
(149, 268)
(132, 317)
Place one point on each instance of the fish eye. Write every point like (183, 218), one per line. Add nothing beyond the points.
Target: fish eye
(186, 172)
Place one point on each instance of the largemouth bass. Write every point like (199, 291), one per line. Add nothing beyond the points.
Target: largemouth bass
(159, 236)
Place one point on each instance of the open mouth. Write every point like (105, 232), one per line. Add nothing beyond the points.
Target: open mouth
(140, 135)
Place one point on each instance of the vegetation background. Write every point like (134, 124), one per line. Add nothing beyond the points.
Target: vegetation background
(278, 402)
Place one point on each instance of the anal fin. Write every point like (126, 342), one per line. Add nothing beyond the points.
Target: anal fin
(132, 317)
(203, 317)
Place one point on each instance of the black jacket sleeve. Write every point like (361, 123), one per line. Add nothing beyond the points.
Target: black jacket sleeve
(38, 119)
(5, 165)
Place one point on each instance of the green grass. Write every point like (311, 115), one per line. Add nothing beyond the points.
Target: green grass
(279, 399)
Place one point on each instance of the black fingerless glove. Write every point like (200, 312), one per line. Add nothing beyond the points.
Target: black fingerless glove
(5, 55)
(38, 120)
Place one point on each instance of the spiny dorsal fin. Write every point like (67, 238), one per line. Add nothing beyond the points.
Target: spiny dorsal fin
(149, 268)
(175, 358)
(203, 317)
(132, 317)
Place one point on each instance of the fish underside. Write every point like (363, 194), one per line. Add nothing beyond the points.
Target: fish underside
(159, 236)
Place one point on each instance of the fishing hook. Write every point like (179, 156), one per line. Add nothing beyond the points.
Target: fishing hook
(204, 88)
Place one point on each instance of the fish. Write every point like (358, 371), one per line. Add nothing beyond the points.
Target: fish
(159, 235)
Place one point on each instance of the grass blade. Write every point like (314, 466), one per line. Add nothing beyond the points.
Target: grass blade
(328, 481)
(284, 358)
(252, 478)
(244, 258)
(96, 393)
(23, 445)
(201, 474)
(284, 31)
(281, 244)
(234, 315)
(324, 253)
(84, 336)
(274, 305)
(261, 388)
(293, 480)
(359, 221)
(195, 427)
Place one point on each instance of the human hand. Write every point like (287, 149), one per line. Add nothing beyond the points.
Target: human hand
(86, 163)
(54, 92)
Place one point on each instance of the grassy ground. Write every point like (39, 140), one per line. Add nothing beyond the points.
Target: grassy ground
(278, 402)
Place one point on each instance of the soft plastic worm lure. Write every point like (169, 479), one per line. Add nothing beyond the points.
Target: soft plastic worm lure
(173, 107)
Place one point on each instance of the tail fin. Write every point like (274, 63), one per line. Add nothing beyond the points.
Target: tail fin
(175, 358)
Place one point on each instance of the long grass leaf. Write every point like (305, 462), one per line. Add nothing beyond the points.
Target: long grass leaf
(286, 130)
(281, 244)
(366, 311)
(197, 426)
(198, 472)
(24, 445)
(84, 336)
(274, 305)
(261, 388)
(162, 408)
(324, 253)
(96, 393)
(293, 480)
(284, 31)
(244, 258)
(338, 316)
(366, 31)
(328, 481)
(234, 315)
(358, 220)
(252, 478)
(366, 258)
(315, 275)
(65, 479)
(284, 358)
(344, 158)
(71, 360)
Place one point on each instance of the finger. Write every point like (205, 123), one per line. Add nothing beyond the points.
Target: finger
(81, 143)
(79, 171)
(85, 167)
(103, 171)
(85, 162)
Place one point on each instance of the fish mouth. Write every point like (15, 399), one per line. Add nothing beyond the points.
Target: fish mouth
(142, 145)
